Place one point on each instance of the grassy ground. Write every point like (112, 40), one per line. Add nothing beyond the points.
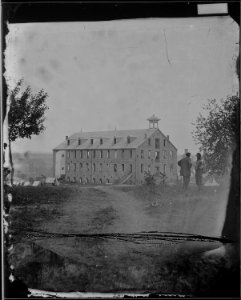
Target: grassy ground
(84, 264)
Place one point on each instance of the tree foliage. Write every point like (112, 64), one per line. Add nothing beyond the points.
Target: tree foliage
(149, 178)
(26, 114)
(218, 133)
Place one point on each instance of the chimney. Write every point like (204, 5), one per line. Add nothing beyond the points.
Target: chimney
(186, 150)
(67, 139)
(79, 141)
(168, 137)
(128, 139)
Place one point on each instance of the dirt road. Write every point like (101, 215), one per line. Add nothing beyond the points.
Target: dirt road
(113, 209)
(130, 212)
(94, 264)
(196, 213)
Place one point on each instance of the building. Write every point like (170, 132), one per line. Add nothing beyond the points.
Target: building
(117, 156)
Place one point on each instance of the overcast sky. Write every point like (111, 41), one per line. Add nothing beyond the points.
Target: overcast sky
(116, 74)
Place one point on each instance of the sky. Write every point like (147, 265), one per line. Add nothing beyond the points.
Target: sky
(115, 74)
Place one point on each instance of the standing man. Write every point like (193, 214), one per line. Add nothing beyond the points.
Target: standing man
(185, 171)
(199, 171)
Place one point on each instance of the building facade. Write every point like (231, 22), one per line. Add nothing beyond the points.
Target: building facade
(116, 156)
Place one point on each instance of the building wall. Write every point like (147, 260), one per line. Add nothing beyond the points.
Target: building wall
(59, 163)
(90, 167)
(167, 162)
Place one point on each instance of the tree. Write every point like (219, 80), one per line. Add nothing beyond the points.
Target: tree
(218, 133)
(149, 178)
(26, 114)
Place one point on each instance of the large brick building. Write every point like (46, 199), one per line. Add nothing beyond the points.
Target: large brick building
(116, 156)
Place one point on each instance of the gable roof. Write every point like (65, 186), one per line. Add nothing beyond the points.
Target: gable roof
(137, 136)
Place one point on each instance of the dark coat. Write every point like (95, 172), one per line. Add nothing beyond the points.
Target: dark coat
(185, 165)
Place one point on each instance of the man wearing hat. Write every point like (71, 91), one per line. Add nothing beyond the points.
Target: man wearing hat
(185, 170)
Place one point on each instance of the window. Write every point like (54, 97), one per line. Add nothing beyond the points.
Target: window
(142, 153)
(171, 168)
(141, 168)
(101, 154)
(149, 142)
(101, 141)
(68, 154)
(164, 143)
(130, 153)
(94, 167)
(157, 143)
(74, 179)
(62, 168)
(149, 168)
(68, 167)
(100, 181)
(80, 166)
(87, 180)
(130, 167)
(123, 167)
(157, 157)
(100, 167)
(149, 154)
(87, 166)
(114, 140)
(88, 154)
(93, 153)
(74, 167)
(62, 155)
(68, 179)
(115, 153)
(164, 169)
(81, 154)
(93, 180)
(91, 141)
(171, 154)
(164, 154)
(122, 153)
(80, 180)
(75, 154)
(107, 180)
(115, 167)
(108, 154)
(157, 169)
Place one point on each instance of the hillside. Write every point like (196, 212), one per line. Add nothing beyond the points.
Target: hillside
(32, 164)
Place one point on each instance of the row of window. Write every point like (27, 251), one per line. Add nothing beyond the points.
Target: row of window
(96, 153)
(157, 168)
(87, 180)
(100, 167)
(123, 167)
(101, 141)
(157, 154)
(99, 154)
(157, 143)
